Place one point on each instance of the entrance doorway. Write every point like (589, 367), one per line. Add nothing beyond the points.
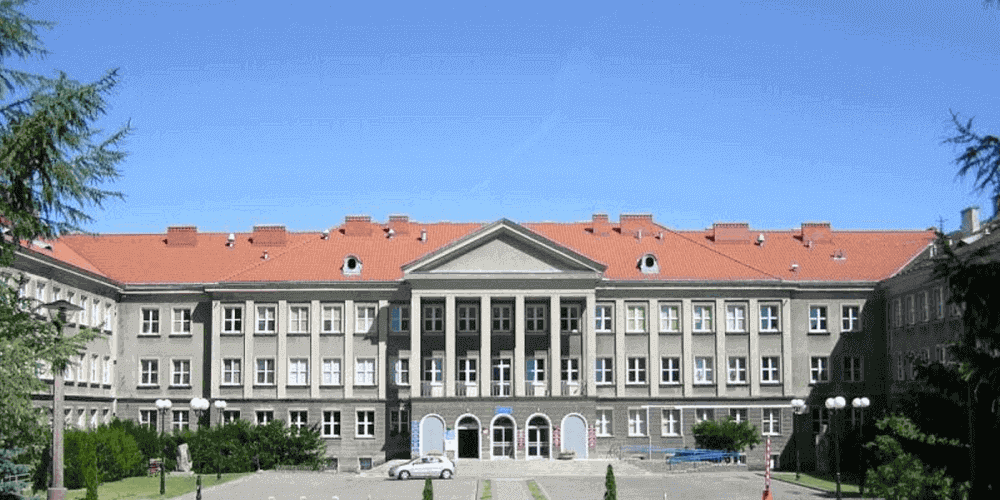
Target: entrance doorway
(431, 435)
(538, 438)
(468, 438)
(574, 435)
(503, 437)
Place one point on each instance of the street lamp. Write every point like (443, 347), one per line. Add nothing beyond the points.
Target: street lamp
(163, 405)
(800, 408)
(199, 405)
(58, 309)
(861, 404)
(221, 405)
(834, 404)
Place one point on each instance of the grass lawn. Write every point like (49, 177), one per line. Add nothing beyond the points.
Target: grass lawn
(487, 493)
(536, 492)
(134, 488)
(821, 481)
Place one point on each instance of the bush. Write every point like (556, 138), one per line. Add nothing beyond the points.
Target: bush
(610, 489)
(118, 456)
(428, 489)
(9, 468)
(725, 434)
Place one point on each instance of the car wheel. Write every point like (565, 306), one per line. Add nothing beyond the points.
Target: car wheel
(404, 475)
(446, 474)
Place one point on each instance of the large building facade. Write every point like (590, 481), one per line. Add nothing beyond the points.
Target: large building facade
(488, 341)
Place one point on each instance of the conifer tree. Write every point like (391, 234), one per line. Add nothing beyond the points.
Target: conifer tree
(610, 490)
(428, 489)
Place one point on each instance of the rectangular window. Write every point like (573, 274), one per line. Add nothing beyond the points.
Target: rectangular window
(939, 302)
(81, 371)
(147, 418)
(897, 310)
(851, 318)
(569, 319)
(434, 319)
(40, 292)
(298, 419)
(401, 371)
(820, 420)
(670, 422)
(365, 319)
(637, 422)
(817, 319)
(670, 318)
(263, 417)
(333, 319)
(266, 319)
(181, 373)
(670, 370)
(603, 318)
(468, 318)
(911, 310)
(925, 307)
(298, 371)
(736, 318)
(433, 372)
(535, 371)
(366, 423)
(400, 319)
(534, 319)
(603, 422)
(181, 420)
(106, 380)
(771, 421)
(107, 317)
(702, 318)
(83, 307)
(265, 371)
(604, 371)
(95, 360)
(150, 321)
(467, 370)
(635, 316)
(738, 414)
(900, 368)
(636, 371)
(331, 423)
(364, 371)
(230, 416)
(182, 321)
(298, 319)
(703, 414)
(703, 370)
(770, 372)
(149, 375)
(501, 318)
(737, 373)
(852, 370)
(331, 371)
(399, 421)
(232, 320)
(571, 370)
(95, 313)
(820, 371)
(231, 371)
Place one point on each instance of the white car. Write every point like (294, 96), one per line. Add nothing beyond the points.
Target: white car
(427, 466)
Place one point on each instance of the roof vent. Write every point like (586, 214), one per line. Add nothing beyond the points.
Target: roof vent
(795, 266)
(265, 256)
(42, 244)
(390, 233)
(272, 235)
(601, 226)
(423, 235)
(231, 240)
(326, 234)
(731, 232)
(760, 239)
(839, 255)
(358, 225)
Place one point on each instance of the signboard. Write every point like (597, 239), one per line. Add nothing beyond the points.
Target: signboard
(555, 437)
(449, 435)
(415, 436)
(520, 439)
(504, 410)
(592, 437)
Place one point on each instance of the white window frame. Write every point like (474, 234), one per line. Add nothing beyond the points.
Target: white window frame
(467, 318)
(149, 372)
(635, 318)
(911, 312)
(298, 318)
(570, 368)
(83, 306)
(770, 421)
(148, 418)
(263, 417)
(95, 313)
(569, 318)
(925, 306)
(670, 370)
(940, 302)
(180, 320)
(770, 369)
(433, 318)
(106, 376)
(40, 292)
(298, 419)
(739, 414)
(95, 360)
(364, 323)
(399, 318)
(433, 370)
(534, 369)
(736, 318)
(298, 372)
(819, 370)
(150, 317)
(81, 371)
(670, 318)
(535, 318)
(636, 425)
(401, 372)
(604, 422)
(703, 370)
(333, 318)
(818, 322)
(671, 422)
(266, 319)
(184, 374)
(604, 371)
(703, 414)
(737, 370)
(364, 427)
(635, 370)
(181, 419)
(331, 427)
(268, 368)
(467, 370)
(701, 318)
(604, 318)
(365, 372)
(399, 420)
(850, 315)
(897, 306)
(232, 371)
(232, 319)
(501, 318)
(853, 369)
(332, 370)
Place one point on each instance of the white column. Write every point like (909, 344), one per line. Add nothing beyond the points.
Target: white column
(653, 360)
(250, 364)
(721, 362)
(555, 347)
(216, 348)
(485, 346)
(753, 326)
(786, 348)
(449, 346)
(347, 368)
(315, 360)
(589, 347)
(383, 372)
(281, 372)
(687, 350)
(518, 320)
(620, 347)
(416, 366)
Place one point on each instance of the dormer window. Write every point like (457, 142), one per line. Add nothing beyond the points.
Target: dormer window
(648, 264)
(352, 265)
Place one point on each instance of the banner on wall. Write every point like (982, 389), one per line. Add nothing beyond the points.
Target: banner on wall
(415, 436)
(556, 441)
(592, 437)
(520, 439)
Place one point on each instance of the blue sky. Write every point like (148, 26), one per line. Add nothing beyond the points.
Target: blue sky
(299, 113)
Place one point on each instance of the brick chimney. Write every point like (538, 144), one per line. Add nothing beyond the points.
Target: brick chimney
(636, 224)
(731, 232)
(399, 224)
(816, 232)
(182, 236)
(601, 226)
(970, 220)
(271, 235)
(358, 225)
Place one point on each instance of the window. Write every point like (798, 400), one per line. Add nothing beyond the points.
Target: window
(365, 319)
(603, 318)
(232, 320)
(820, 371)
(636, 422)
(571, 370)
(467, 370)
(670, 318)
(897, 313)
(263, 417)
(703, 318)
(298, 419)
(40, 292)
(851, 318)
(433, 370)
(107, 317)
(230, 416)
(703, 370)
(333, 319)
(401, 372)
(400, 319)
(331, 423)
(80, 415)
(636, 371)
(181, 373)
(635, 318)
(95, 360)
(670, 370)
(95, 313)
(81, 371)
(56, 293)
(265, 319)
(83, 306)
(703, 414)
(366, 423)
(738, 414)
(925, 307)
(265, 371)
(364, 369)
(603, 423)
(769, 318)
(181, 420)
(149, 375)
(331, 371)
(737, 373)
(298, 319)
(106, 378)
(736, 318)
(820, 420)
(399, 421)
(298, 371)
(434, 319)
(939, 302)
(468, 318)
(853, 370)
(68, 373)
(569, 319)
(670, 423)
(535, 371)
(900, 368)
(231, 371)
(817, 319)
(604, 371)
(911, 310)
(150, 321)
(534, 319)
(182, 321)
(501, 318)
(771, 421)
(364, 463)
(147, 418)
(770, 370)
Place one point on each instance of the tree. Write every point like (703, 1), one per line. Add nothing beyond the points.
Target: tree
(610, 489)
(428, 489)
(898, 473)
(726, 434)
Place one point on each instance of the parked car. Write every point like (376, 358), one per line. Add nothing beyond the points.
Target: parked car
(426, 466)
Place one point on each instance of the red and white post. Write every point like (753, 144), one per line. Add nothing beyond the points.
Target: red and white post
(767, 471)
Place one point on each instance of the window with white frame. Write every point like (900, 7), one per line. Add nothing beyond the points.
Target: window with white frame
(602, 424)
(571, 370)
(181, 420)
(737, 373)
(850, 318)
(107, 317)
(670, 422)
(364, 371)
(925, 307)
(181, 321)
(770, 372)
(399, 421)
(181, 373)
(298, 419)
(817, 319)
(852, 369)
(95, 313)
(604, 371)
(702, 318)
(298, 319)
(897, 310)
(266, 319)
(569, 318)
(365, 423)
(331, 371)
(40, 292)
(534, 319)
(820, 371)
(80, 417)
(771, 421)
(399, 318)
(230, 416)
(434, 318)
(95, 361)
(738, 414)
(83, 309)
(150, 321)
(703, 414)
(232, 371)
(736, 318)
(636, 422)
(433, 371)
(670, 318)
(468, 318)
(911, 310)
(81, 371)
(331, 423)
(635, 370)
(670, 370)
(939, 302)
(147, 418)
(467, 370)
(149, 372)
(635, 318)
(106, 376)
(604, 318)
(501, 318)
(401, 371)
(264, 416)
(232, 319)
(365, 318)
(56, 293)
(333, 318)
(265, 371)
(298, 371)
(703, 370)
(535, 370)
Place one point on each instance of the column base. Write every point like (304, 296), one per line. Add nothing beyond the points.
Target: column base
(57, 494)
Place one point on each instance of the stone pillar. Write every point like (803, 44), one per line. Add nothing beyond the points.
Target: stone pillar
(449, 346)
(383, 371)
(589, 347)
(216, 352)
(281, 371)
(787, 355)
(687, 347)
(416, 365)
(619, 372)
(555, 347)
(519, 367)
(485, 346)
(347, 368)
(315, 359)
(721, 362)
(250, 364)
(653, 360)
(753, 364)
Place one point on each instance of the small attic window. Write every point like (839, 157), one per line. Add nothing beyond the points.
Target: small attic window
(352, 265)
(648, 264)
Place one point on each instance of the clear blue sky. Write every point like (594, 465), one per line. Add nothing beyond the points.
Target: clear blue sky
(298, 113)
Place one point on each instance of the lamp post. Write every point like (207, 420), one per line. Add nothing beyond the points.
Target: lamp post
(163, 405)
(861, 403)
(59, 309)
(834, 404)
(221, 405)
(200, 406)
(799, 407)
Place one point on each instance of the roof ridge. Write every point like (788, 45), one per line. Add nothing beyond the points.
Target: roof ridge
(265, 262)
(744, 264)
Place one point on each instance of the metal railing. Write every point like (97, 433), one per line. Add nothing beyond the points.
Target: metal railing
(468, 389)
(500, 389)
(536, 389)
(572, 389)
(431, 390)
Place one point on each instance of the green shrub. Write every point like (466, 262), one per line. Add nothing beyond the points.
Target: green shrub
(428, 489)
(118, 456)
(610, 489)
(725, 434)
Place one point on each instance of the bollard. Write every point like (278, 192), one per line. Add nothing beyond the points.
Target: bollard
(198, 482)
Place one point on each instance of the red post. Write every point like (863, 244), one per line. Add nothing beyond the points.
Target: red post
(767, 471)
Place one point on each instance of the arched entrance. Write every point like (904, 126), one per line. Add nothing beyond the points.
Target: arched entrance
(468, 436)
(431, 434)
(537, 442)
(503, 430)
(574, 435)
